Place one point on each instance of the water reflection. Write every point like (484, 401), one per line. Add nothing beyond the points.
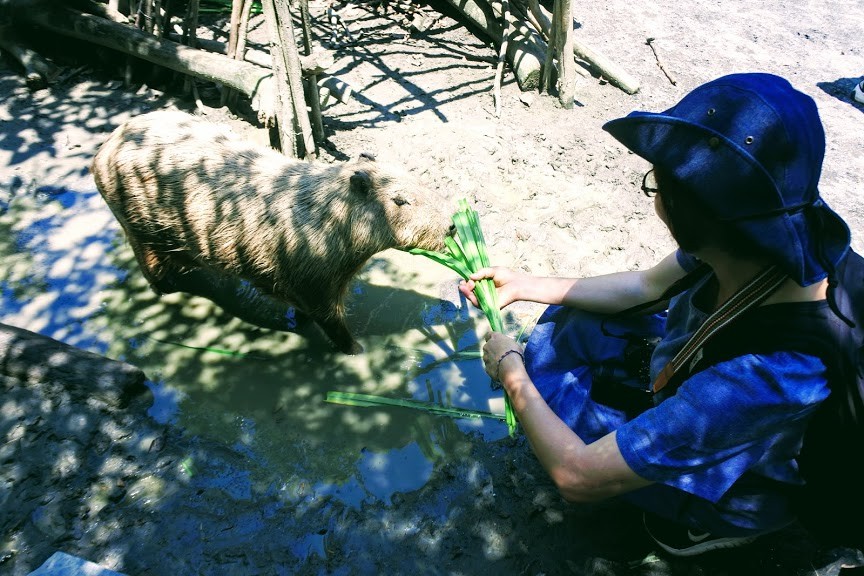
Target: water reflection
(71, 276)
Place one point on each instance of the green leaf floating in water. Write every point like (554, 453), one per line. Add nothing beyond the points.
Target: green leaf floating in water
(368, 400)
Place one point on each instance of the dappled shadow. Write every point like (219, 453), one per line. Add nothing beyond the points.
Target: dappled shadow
(243, 452)
(249, 470)
(377, 45)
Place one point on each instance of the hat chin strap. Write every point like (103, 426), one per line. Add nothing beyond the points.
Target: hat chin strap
(817, 203)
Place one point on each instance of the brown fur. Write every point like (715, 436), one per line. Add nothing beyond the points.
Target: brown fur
(190, 195)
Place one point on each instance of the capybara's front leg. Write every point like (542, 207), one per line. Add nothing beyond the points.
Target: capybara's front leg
(158, 270)
(337, 331)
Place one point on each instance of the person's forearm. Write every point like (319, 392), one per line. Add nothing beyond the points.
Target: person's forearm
(603, 294)
(555, 445)
(606, 293)
(581, 473)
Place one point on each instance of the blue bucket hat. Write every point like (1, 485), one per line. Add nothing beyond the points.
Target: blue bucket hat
(751, 146)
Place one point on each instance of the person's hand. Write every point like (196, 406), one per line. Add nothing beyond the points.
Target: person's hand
(501, 355)
(507, 282)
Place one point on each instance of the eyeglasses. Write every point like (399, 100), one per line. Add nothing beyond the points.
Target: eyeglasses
(649, 184)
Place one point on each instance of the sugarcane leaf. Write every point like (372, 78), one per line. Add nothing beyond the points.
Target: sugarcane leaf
(455, 249)
(367, 400)
(443, 259)
(468, 254)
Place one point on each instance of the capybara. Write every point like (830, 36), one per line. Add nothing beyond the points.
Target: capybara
(195, 199)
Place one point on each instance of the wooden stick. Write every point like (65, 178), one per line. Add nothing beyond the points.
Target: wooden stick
(616, 75)
(240, 53)
(295, 78)
(190, 38)
(531, 16)
(660, 62)
(254, 81)
(190, 31)
(237, 42)
(549, 62)
(502, 53)
(311, 82)
(142, 16)
(564, 51)
(234, 27)
(158, 28)
(285, 111)
(525, 51)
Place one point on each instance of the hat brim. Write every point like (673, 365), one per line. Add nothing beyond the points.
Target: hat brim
(693, 153)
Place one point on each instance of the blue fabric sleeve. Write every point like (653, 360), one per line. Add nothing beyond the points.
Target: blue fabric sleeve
(687, 261)
(748, 413)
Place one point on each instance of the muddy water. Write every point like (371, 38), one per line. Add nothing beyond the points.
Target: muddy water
(69, 274)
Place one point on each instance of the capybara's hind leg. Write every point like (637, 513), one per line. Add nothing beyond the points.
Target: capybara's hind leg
(238, 298)
(337, 331)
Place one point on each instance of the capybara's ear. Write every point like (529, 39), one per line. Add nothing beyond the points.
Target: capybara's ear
(367, 156)
(361, 182)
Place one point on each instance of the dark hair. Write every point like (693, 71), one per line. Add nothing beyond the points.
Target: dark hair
(692, 224)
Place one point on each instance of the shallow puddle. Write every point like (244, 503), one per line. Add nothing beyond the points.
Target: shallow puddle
(70, 275)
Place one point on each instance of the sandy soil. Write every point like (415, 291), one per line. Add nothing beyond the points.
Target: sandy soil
(556, 195)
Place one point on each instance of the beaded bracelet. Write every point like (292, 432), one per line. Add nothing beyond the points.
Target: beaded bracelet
(504, 355)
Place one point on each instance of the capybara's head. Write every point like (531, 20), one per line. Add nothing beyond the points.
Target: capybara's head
(416, 216)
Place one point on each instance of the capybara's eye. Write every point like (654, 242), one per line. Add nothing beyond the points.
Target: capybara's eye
(400, 201)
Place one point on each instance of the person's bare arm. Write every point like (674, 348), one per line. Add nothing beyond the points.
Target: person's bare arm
(604, 294)
(582, 472)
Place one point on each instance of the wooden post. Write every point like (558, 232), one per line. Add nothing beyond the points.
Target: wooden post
(254, 81)
(284, 110)
(564, 49)
(605, 67)
(190, 38)
(236, 42)
(295, 77)
(549, 63)
(502, 53)
(313, 96)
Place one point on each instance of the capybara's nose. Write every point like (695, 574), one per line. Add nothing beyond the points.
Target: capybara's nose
(452, 230)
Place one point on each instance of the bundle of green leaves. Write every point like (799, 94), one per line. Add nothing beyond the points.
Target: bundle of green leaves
(466, 253)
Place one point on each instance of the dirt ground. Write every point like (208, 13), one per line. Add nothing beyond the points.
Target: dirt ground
(556, 195)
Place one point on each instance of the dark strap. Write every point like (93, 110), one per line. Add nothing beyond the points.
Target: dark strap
(805, 327)
(750, 295)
